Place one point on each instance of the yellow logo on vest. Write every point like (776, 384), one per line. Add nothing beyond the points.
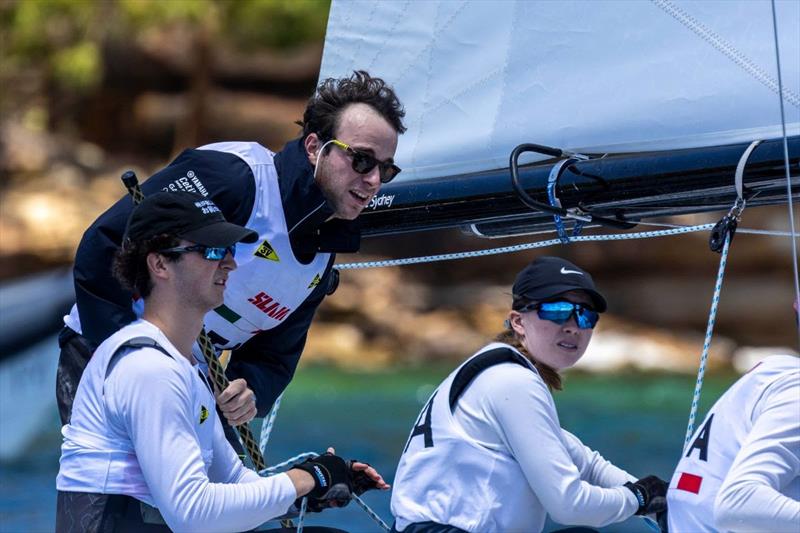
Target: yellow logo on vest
(314, 282)
(203, 414)
(265, 251)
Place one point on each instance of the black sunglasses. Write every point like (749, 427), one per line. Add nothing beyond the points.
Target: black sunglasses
(212, 253)
(364, 162)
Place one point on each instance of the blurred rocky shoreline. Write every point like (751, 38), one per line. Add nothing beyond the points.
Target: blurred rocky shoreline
(659, 291)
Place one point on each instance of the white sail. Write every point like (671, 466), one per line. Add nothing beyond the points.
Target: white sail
(479, 77)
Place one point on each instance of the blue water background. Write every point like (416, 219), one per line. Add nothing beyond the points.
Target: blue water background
(636, 421)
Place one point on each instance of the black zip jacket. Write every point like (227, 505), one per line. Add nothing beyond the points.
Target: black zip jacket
(268, 360)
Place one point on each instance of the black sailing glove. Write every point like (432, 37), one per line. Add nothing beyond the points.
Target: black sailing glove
(360, 482)
(331, 481)
(651, 492)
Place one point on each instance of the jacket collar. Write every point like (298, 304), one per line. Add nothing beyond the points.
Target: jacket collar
(307, 210)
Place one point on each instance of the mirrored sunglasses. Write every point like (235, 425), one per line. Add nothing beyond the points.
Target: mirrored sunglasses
(212, 253)
(562, 310)
(363, 163)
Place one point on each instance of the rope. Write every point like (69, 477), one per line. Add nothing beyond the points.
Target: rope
(266, 426)
(552, 182)
(297, 459)
(707, 344)
(302, 516)
(523, 247)
(372, 514)
(288, 463)
(786, 165)
(220, 384)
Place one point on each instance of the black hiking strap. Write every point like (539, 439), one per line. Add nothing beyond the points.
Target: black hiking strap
(143, 342)
(147, 342)
(478, 364)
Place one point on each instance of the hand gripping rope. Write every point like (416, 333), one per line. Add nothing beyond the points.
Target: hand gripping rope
(215, 369)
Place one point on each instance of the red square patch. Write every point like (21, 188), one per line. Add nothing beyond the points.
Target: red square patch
(689, 483)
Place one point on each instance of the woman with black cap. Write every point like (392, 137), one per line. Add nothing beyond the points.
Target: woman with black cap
(487, 452)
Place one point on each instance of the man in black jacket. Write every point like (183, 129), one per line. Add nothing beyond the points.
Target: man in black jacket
(302, 201)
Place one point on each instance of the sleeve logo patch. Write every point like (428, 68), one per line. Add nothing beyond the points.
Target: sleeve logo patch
(266, 251)
(689, 482)
(227, 313)
(203, 414)
(314, 282)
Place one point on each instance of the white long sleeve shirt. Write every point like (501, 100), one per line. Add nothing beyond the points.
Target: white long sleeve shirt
(741, 471)
(501, 461)
(145, 425)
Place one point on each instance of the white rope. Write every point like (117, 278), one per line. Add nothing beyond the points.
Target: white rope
(522, 247)
(749, 231)
(707, 344)
(280, 467)
(302, 515)
(266, 426)
(297, 459)
(372, 514)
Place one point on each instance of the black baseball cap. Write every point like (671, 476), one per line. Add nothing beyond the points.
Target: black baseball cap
(187, 216)
(548, 277)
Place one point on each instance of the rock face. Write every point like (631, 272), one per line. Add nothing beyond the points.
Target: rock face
(659, 290)
(384, 315)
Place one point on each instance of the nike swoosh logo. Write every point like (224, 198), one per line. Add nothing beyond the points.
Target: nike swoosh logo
(565, 271)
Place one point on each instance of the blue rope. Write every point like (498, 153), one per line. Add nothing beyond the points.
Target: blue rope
(709, 331)
(552, 180)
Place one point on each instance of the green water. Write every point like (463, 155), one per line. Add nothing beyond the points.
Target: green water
(637, 421)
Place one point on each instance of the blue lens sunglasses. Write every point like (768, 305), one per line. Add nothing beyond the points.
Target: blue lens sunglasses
(212, 253)
(562, 310)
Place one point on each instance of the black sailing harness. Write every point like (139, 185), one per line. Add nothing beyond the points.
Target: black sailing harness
(88, 512)
(467, 374)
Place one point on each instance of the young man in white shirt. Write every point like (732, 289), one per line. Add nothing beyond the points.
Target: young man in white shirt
(145, 449)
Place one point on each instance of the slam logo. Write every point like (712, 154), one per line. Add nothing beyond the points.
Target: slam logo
(269, 306)
(203, 413)
(266, 251)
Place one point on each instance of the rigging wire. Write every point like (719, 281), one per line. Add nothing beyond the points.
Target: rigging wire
(786, 163)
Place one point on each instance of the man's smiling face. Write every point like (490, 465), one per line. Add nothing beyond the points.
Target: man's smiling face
(365, 130)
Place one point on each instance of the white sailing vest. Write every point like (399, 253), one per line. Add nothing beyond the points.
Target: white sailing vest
(714, 445)
(446, 477)
(96, 455)
(269, 283)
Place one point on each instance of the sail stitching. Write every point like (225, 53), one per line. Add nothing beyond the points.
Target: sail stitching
(726, 49)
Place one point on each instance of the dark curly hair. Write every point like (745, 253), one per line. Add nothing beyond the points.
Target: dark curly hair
(334, 95)
(130, 262)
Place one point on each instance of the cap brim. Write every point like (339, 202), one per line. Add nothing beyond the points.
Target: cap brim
(221, 234)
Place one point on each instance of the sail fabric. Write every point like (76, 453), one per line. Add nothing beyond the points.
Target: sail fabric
(478, 78)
